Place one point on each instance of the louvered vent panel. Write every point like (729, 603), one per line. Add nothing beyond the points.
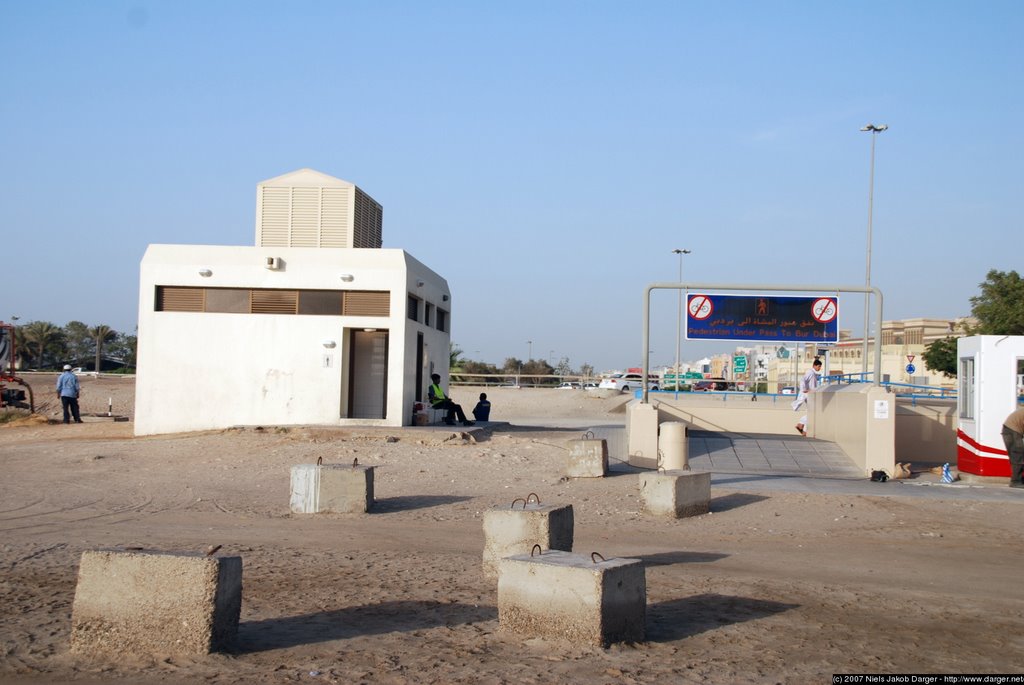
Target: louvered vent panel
(334, 228)
(275, 301)
(176, 299)
(275, 207)
(367, 221)
(367, 303)
(305, 217)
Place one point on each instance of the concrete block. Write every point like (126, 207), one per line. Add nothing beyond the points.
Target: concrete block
(584, 599)
(516, 529)
(587, 459)
(141, 602)
(331, 488)
(676, 493)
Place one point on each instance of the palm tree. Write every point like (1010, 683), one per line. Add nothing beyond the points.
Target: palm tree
(454, 356)
(41, 335)
(101, 334)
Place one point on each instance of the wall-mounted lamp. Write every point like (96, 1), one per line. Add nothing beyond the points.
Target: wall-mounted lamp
(444, 298)
(205, 273)
(369, 330)
(348, 278)
(330, 344)
(419, 284)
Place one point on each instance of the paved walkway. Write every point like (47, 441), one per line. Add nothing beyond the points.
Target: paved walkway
(744, 452)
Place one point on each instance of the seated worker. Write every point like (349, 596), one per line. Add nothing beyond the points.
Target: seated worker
(438, 400)
(482, 410)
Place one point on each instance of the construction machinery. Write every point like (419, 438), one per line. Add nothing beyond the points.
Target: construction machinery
(12, 396)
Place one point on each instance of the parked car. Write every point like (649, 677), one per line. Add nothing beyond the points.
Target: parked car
(79, 371)
(788, 390)
(628, 382)
(568, 386)
(707, 386)
(590, 386)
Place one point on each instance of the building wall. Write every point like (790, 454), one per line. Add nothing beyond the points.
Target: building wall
(201, 370)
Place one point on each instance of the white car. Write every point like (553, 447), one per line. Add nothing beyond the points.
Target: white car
(568, 386)
(627, 382)
(79, 371)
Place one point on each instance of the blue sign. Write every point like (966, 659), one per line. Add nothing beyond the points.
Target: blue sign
(911, 369)
(758, 318)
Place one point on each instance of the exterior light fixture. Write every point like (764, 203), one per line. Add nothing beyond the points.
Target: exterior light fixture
(419, 284)
(348, 278)
(330, 344)
(205, 273)
(444, 298)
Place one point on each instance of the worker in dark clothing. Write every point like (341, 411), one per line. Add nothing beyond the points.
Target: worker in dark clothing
(1013, 438)
(482, 410)
(438, 400)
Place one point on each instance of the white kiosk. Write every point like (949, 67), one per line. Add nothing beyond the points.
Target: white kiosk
(990, 375)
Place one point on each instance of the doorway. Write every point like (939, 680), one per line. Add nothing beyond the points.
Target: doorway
(368, 374)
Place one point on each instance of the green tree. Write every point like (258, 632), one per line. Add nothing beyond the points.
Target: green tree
(101, 335)
(78, 342)
(563, 368)
(124, 347)
(587, 370)
(999, 308)
(21, 348)
(43, 338)
(512, 365)
(941, 356)
(535, 368)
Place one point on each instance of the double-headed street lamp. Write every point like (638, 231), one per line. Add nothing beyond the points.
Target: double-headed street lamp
(873, 130)
(679, 310)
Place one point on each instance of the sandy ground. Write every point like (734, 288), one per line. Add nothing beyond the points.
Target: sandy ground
(778, 588)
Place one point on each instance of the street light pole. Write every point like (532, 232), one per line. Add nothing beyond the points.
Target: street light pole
(529, 350)
(874, 131)
(679, 312)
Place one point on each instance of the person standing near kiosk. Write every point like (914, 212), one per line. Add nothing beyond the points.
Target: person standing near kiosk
(1013, 438)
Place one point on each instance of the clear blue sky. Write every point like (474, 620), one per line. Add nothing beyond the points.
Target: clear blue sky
(544, 157)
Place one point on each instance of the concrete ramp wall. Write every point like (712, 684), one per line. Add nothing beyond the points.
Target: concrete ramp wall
(859, 418)
(926, 431)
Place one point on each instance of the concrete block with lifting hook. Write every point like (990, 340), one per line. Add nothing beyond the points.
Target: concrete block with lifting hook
(510, 530)
(331, 488)
(584, 599)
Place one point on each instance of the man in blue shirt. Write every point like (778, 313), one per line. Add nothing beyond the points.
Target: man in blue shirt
(67, 389)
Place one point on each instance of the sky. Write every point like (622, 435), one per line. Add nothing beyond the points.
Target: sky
(543, 157)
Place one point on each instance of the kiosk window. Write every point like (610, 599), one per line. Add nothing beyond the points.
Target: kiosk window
(966, 392)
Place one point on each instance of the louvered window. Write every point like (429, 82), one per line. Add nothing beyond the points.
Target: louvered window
(367, 303)
(275, 301)
(174, 299)
(442, 319)
(271, 301)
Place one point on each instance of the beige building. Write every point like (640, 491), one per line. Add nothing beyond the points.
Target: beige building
(901, 340)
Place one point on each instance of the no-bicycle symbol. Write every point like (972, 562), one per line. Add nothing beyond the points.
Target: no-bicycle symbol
(700, 307)
(824, 309)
